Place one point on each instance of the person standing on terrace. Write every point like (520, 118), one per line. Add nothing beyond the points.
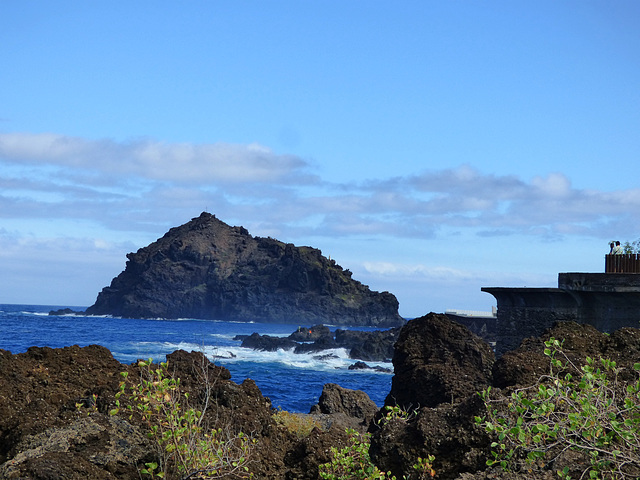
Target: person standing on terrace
(617, 250)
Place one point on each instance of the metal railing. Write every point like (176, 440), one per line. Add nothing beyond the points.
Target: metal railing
(626, 263)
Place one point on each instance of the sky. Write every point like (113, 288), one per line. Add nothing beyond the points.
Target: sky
(431, 147)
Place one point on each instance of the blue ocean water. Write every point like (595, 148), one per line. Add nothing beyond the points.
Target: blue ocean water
(292, 381)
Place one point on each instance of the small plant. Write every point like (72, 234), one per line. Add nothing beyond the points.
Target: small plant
(395, 413)
(354, 462)
(186, 448)
(300, 425)
(91, 404)
(584, 409)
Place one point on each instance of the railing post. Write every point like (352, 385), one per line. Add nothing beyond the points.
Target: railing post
(626, 263)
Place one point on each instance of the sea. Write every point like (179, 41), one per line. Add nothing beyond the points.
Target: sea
(292, 381)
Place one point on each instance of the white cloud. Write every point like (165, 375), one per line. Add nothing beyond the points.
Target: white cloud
(177, 162)
(554, 185)
(150, 185)
(416, 270)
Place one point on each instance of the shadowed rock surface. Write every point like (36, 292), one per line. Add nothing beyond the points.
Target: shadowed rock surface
(43, 435)
(208, 269)
(438, 361)
(353, 407)
(438, 370)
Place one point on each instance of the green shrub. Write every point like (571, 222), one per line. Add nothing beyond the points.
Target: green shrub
(186, 449)
(586, 409)
(353, 462)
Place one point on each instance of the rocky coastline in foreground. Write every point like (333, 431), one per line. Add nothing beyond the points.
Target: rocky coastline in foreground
(55, 404)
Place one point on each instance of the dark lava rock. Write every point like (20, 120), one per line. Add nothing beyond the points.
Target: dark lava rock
(438, 361)
(310, 334)
(342, 402)
(527, 363)
(65, 311)
(374, 346)
(325, 342)
(439, 369)
(44, 436)
(267, 343)
(364, 366)
(40, 428)
(208, 269)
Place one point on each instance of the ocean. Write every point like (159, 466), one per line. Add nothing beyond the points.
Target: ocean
(292, 381)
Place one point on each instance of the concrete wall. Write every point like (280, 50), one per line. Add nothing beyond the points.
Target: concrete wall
(606, 301)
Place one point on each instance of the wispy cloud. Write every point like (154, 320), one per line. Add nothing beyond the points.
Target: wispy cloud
(175, 162)
(127, 185)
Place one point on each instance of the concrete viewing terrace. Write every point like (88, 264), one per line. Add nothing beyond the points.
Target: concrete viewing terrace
(608, 301)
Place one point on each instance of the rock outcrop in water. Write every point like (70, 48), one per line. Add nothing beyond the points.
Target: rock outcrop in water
(374, 346)
(210, 270)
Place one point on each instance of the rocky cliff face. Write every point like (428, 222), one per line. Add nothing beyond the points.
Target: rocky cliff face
(208, 269)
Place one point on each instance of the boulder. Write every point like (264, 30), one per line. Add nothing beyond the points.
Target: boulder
(268, 343)
(438, 361)
(351, 408)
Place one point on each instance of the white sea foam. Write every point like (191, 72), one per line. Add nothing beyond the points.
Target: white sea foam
(328, 360)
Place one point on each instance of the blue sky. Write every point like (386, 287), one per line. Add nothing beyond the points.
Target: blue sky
(432, 148)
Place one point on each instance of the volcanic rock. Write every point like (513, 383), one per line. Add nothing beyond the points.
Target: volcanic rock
(439, 367)
(310, 334)
(364, 366)
(52, 426)
(210, 270)
(267, 343)
(343, 402)
(439, 370)
(376, 346)
(438, 361)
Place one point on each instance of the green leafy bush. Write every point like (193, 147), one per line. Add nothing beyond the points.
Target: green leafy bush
(186, 448)
(354, 462)
(586, 410)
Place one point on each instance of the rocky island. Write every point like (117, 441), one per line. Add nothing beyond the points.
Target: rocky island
(209, 270)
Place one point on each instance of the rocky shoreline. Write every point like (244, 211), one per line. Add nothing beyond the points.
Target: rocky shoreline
(55, 403)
